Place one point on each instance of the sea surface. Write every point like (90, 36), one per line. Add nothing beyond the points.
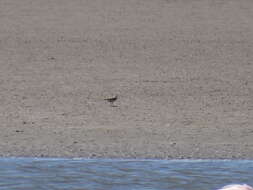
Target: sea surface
(101, 174)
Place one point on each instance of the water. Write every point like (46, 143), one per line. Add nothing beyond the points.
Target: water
(84, 174)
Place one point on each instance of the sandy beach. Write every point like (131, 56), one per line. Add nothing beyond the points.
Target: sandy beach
(182, 71)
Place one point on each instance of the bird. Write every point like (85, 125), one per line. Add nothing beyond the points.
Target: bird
(112, 99)
(237, 187)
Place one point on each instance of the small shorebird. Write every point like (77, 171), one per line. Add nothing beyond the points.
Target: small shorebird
(112, 99)
(236, 187)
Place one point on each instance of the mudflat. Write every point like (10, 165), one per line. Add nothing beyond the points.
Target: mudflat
(182, 72)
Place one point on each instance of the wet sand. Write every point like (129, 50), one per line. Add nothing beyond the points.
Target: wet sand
(182, 70)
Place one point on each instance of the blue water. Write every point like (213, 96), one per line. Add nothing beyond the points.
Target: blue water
(85, 174)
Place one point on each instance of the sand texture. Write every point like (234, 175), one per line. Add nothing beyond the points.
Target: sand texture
(182, 70)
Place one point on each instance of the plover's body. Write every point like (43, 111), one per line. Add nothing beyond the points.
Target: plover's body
(112, 99)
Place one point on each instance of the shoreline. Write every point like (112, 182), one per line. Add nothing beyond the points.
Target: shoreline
(108, 145)
(124, 160)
